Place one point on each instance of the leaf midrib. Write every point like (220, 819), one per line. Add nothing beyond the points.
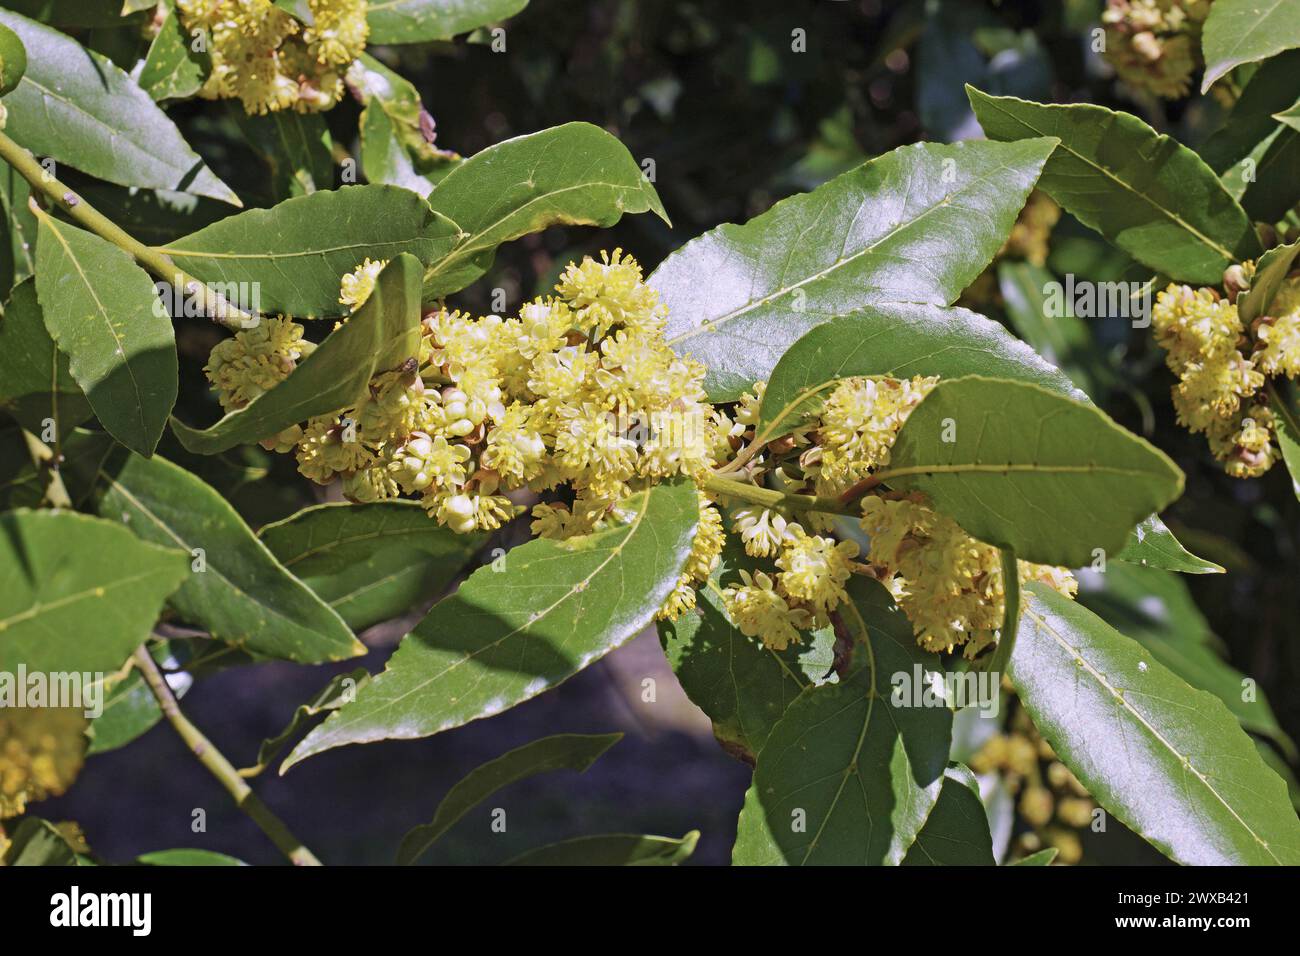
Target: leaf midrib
(1041, 622)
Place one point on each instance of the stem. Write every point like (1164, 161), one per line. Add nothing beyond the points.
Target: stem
(87, 216)
(770, 498)
(1011, 621)
(45, 459)
(219, 766)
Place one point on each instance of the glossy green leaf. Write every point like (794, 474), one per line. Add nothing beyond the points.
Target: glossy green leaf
(1156, 609)
(847, 777)
(575, 174)
(393, 145)
(419, 21)
(75, 106)
(296, 147)
(78, 593)
(957, 831)
(743, 686)
(370, 562)
(1023, 468)
(1151, 196)
(298, 251)
(1243, 31)
(36, 842)
(13, 60)
(1270, 272)
(1165, 759)
(915, 225)
(35, 384)
(561, 752)
(612, 849)
(507, 636)
(103, 313)
(186, 857)
(339, 691)
(172, 68)
(901, 340)
(382, 334)
(237, 591)
(1152, 544)
(1254, 152)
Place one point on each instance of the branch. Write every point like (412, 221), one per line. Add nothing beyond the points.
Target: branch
(219, 766)
(81, 212)
(770, 498)
(47, 460)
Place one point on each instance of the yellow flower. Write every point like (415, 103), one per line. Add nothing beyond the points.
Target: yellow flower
(706, 546)
(609, 294)
(814, 570)
(759, 611)
(357, 285)
(255, 360)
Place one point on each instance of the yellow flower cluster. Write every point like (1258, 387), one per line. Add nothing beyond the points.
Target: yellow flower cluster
(1155, 45)
(41, 752)
(1222, 367)
(579, 401)
(262, 56)
(1050, 798)
(949, 585)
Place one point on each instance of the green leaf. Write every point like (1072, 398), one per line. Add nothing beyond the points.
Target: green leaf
(187, 857)
(13, 60)
(78, 593)
(35, 384)
(103, 313)
(1286, 416)
(743, 686)
(339, 691)
(957, 831)
(506, 636)
(1151, 196)
(1041, 858)
(1270, 272)
(1254, 152)
(900, 340)
(1167, 760)
(383, 157)
(1020, 467)
(370, 562)
(1156, 609)
(380, 336)
(17, 229)
(297, 148)
(1290, 116)
(172, 69)
(1243, 31)
(36, 842)
(420, 21)
(1152, 544)
(237, 590)
(297, 252)
(612, 849)
(847, 777)
(75, 106)
(575, 174)
(561, 752)
(915, 225)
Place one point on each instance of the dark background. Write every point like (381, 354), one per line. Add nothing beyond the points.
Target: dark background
(734, 120)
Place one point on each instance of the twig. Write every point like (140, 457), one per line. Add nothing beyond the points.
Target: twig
(219, 766)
